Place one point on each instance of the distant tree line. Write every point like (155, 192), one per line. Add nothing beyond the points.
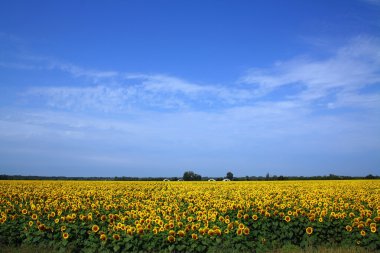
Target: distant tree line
(189, 176)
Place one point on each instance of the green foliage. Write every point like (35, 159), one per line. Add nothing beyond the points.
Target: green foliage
(191, 176)
(229, 175)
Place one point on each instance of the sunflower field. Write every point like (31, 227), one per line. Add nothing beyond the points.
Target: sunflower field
(111, 216)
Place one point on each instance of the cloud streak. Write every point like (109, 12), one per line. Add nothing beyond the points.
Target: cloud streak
(333, 82)
(352, 68)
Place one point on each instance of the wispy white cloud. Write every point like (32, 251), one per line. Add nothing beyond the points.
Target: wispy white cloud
(98, 97)
(353, 100)
(77, 71)
(353, 67)
(148, 91)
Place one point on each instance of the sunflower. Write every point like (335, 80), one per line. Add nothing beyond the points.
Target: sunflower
(309, 230)
(171, 238)
(103, 218)
(287, 219)
(181, 233)
(255, 217)
(239, 231)
(116, 237)
(348, 228)
(246, 231)
(95, 228)
(34, 216)
(211, 232)
(362, 232)
(65, 235)
(30, 223)
(103, 237)
(373, 229)
(24, 211)
(194, 236)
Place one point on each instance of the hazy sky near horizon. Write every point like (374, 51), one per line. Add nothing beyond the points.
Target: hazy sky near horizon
(154, 88)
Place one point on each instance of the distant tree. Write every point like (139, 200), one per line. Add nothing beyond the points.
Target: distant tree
(191, 176)
(370, 176)
(332, 176)
(267, 176)
(230, 176)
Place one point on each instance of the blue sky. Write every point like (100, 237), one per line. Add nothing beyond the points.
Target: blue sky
(155, 88)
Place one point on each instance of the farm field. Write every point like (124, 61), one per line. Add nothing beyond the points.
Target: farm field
(113, 216)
